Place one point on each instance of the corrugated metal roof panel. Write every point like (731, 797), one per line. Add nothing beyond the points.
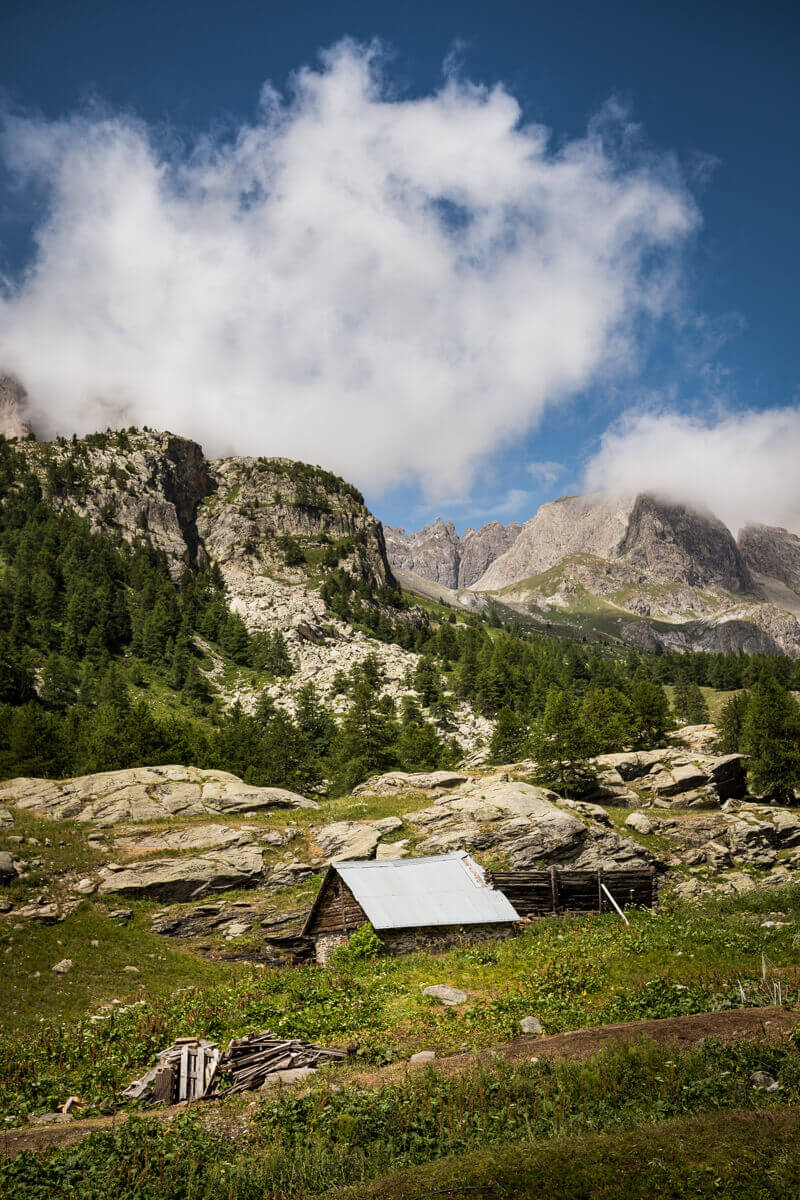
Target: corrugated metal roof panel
(408, 893)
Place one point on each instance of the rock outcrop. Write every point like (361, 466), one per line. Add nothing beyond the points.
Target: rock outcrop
(773, 553)
(676, 544)
(132, 483)
(669, 778)
(144, 794)
(437, 553)
(186, 878)
(256, 502)
(13, 408)
(433, 552)
(233, 511)
(529, 825)
(397, 782)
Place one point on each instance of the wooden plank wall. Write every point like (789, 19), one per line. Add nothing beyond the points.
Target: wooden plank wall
(542, 893)
(338, 911)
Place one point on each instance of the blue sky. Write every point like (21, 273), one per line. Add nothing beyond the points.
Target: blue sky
(714, 91)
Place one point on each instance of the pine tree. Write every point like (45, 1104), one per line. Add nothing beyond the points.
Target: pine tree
(16, 676)
(731, 721)
(681, 698)
(279, 663)
(59, 683)
(314, 722)
(195, 691)
(771, 738)
(367, 734)
(181, 658)
(235, 640)
(697, 710)
(561, 747)
(426, 680)
(607, 720)
(651, 715)
(510, 739)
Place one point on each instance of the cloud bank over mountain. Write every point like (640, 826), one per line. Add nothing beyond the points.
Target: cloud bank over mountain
(742, 466)
(393, 287)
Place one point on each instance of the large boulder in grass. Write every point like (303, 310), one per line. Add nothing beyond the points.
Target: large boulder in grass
(8, 868)
(188, 837)
(144, 794)
(394, 783)
(345, 840)
(186, 878)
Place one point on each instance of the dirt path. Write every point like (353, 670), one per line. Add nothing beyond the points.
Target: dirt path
(733, 1025)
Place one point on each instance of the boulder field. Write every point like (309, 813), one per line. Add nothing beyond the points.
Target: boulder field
(689, 815)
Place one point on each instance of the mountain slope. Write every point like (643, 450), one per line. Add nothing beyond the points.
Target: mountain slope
(299, 554)
(647, 571)
(772, 552)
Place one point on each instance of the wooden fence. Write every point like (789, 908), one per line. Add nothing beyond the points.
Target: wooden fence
(543, 893)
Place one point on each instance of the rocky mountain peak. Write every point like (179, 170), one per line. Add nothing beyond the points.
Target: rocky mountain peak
(677, 544)
(665, 540)
(437, 553)
(594, 524)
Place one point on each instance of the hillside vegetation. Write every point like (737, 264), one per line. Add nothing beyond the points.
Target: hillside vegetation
(240, 616)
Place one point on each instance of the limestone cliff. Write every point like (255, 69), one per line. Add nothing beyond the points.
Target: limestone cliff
(433, 552)
(594, 524)
(237, 512)
(773, 553)
(135, 483)
(677, 544)
(13, 408)
(438, 554)
(666, 541)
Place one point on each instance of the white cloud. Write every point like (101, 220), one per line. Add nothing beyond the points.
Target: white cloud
(545, 474)
(742, 466)
(394, 288)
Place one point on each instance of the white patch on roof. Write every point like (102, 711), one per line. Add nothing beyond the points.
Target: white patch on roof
(408, 893)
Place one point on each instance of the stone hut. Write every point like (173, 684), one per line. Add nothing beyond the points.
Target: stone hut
(412, 903)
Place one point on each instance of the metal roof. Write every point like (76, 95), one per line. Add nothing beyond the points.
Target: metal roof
(408, 893)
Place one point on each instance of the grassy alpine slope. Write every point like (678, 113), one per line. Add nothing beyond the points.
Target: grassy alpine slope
(569, 972)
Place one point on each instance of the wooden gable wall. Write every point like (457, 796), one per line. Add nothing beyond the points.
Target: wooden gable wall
(336, 909)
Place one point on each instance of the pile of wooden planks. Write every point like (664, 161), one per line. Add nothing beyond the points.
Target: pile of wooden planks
(249, 1060)
(186, 1070)
(193, 1069)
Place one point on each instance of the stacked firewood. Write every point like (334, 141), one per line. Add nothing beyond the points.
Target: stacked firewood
(194, 1069)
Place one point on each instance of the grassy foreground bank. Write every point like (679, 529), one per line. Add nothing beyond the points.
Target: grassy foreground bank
(496, 1127)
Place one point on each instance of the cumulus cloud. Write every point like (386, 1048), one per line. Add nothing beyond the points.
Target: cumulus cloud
(742, 466)
(393, 287)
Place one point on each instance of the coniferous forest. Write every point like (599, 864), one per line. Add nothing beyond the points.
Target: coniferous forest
(94, 634)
